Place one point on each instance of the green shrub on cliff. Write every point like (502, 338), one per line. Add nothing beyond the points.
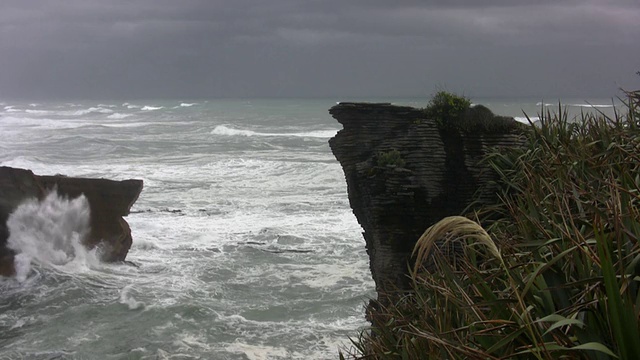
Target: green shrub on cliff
(391, 157)
(556, 276)
(445, 106)
(454, 112)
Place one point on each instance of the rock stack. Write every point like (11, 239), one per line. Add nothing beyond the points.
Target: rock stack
(405, 172)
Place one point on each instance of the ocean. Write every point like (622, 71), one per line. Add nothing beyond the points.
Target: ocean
(244, 244)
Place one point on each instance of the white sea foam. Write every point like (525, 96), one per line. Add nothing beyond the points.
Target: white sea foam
(44, 123)
(188, 341)
(50, 232)
(99, 110)
(585, 105)
(126, 298)
(257, 352)
(224, 130)
(126, 125)
(37, 112)
(118, 116)
(151, 108)
(592, 106)
(228, 131)
(188, 104)
(144, 244)
(540, 103)
(524, 120)
(91, 110)
(19, 323)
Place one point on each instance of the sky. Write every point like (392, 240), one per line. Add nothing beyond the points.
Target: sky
(151, 49)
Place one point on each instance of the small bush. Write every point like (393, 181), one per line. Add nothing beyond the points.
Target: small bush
(445, 106)
(392, 158)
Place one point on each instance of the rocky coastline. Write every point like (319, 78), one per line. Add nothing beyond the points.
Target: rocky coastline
(109, 202)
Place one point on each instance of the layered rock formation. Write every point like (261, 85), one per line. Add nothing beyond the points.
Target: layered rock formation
(405, 172)
(108, 200)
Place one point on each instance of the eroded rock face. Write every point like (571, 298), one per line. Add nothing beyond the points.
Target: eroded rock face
(405, 172)
(108, 200)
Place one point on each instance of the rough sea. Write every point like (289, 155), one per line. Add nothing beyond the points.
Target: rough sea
(244, 243)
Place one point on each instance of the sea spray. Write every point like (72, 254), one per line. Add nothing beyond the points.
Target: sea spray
(49, 232)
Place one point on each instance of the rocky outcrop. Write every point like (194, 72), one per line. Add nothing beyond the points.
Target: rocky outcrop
(108, 200)
(405, 172)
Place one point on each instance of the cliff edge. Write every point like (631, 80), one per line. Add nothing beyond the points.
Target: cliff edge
(405, 172)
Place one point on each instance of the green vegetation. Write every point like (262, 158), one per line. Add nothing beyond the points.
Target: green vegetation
(391, 157)
(454, 112)
(446, 107)
(554, 272)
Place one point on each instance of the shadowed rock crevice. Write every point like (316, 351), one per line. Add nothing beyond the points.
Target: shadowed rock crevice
(108, 201)
(438, 173)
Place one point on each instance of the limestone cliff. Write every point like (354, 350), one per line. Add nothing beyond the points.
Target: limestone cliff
(405, 172)
(108, 200)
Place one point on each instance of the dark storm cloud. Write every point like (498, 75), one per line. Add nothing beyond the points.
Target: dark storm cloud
(198, 48)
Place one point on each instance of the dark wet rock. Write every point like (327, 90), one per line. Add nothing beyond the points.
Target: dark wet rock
(130, 263)
(284, 251)
(108, 200)
(165, 210)
(405, 172)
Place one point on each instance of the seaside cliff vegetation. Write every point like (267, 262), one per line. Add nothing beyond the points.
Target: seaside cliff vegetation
(553, 271)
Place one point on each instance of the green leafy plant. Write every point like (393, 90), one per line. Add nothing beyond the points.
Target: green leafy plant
(390, 158)
(445, 106)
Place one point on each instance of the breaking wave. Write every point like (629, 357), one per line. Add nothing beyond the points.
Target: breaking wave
(585, 105)
(118, 116)
(227, 131)
(524, 120)
(49, 232)
(12, 122)
(592, 106)
(98, 110)
(91, 110)
(151, 108)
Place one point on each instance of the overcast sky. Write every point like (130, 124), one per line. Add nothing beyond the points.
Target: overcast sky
(125, 49)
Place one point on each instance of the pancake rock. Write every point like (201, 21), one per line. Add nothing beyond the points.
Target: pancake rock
(108, 201)
(405, 172)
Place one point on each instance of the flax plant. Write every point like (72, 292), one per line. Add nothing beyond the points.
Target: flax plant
(556, 276)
